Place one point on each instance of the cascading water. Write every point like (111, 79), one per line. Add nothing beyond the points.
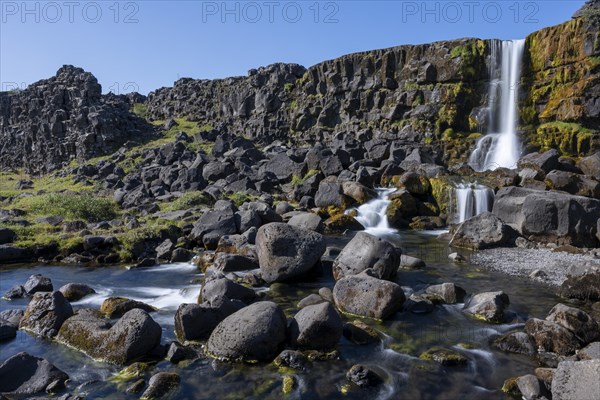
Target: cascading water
(372, 215)
(471, 200)
(501, 146)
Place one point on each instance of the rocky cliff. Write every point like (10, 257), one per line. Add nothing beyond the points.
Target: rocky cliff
(66, 117)
(430, 96)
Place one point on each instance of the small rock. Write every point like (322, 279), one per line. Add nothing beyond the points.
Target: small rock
(317, 327)
(530, 387)
(488, 306)
(575, 320)
(326, 294)
(161, 385)
(445, 357)
(76, 291)
(7, 330)
(177, 353)
(310, 300)
(457, 258)
(360, 333)
(590, 352)
(551, 337)
(515, 342)
(115, 307)
(449, 293)
(408, 262)
(291, 359)
(363, 376)
(15, 292)
(37, 283)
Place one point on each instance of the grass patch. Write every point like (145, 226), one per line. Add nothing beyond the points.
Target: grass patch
(240, 198)
(140, 109)
(297, 180)
(187, 201)
(48, 183)
(70, 206)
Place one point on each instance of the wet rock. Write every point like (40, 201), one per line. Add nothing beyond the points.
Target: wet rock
(76, 291)
(256, 332)
(26, 374)
(7, 236)
(367, 296)
(37, 283)
(134, 335)
(12, 316)
(364, 252)
(181, 255)
(178, 352)
(358, 192)
(291, 359)
(317, 327)
(515, 342)
(115, 307)
(11, 254)
(531, 388)
(408, 262)
(233, 262)
(360, 333)
(136, 387)
(331, 195)
(212, 225)
(418, 304)
(544, 162)
(488, 306)
(45, 314)
(223, 287)
(449, 293)
(197, 321)
(161, 385)
(286, 252)
(457, 258)
(444, 357)
(341, 223)
(7, 330)
(15, 292)
(164, 250)
(308, 221)
(584, 287)
(483, 231)
(326, 294)
(363, 376)
(551, 337)
(575, 320)
(576, 380)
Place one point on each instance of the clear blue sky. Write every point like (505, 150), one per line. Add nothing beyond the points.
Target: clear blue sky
(144, 45)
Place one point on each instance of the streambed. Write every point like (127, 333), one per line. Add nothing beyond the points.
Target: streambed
(405, 336)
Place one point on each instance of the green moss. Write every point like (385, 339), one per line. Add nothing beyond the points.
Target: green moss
(240, 198)
(289, 384)
(570, 139)
(444, 356)
(297, 180)
(71, 206)
(186, 201)
(140, 109)
(288, 87)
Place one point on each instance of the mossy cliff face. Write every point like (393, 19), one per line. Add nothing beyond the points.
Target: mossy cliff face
(562, 87)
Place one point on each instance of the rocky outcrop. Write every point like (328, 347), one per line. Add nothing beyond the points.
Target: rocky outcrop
(45, 314)
(64, 118)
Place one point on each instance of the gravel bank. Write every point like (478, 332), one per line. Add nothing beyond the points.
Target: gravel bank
(543, 265)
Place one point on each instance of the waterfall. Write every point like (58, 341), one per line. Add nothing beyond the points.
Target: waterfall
(471, 200)
(372, 215)
(501, 146)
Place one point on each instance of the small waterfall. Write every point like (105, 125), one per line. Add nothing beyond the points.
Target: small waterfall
(372, 215)
(501, 146)
(472, 200)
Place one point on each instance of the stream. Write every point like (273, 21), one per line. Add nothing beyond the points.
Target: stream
(404, 336)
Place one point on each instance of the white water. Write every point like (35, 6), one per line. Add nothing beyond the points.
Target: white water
(501, 146)
(471, 200)
(372, 215)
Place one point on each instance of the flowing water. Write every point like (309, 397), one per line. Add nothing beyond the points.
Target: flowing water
(372, 215)
(472, 199)
(404, 336)
(501, 146)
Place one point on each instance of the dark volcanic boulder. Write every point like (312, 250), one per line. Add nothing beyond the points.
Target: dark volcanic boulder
(363, 376)
(286, 252)
(366, 251)
(214, 224)
(223, 287)
(577, 321)
(316, 327)
(549, 216)
(544, 162)
(115, 307)
(552, 337)
(11, 254)
(483, 231)
(591, 165)
(367, 296)
(308, 221)
(26, 374)
(449, 293)
(515, 342)
(488, 306)
(7, 236)
(197, 321)
(37, 283)
(331, 195)
(583, 287)
(8, 330)
(76, 291)
(161, 385)
(254, 333)
(45, 314)
(132, 336)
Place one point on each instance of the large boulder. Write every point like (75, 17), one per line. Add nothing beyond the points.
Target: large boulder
(515, 342)
(577, 321)
(132, 336)
(197, 321)
(46, 313)
(76, 291)
(223, 287)
(116, 307)
(330, 194)
(482, 231)
(488, 306)
(549, 216)
(582, 287)
(212, 225)
(254, 333)
(573, 183)
(544, 162)
(316, 327)
(551, 337)
(286, 252)
(24, 374)
(576, 380)
(366, 251)
(161, 385)
(37, 283)
(368, 296)
(308, 221)
(590, 165)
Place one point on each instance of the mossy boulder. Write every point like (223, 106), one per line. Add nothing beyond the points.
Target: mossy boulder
(402, 207)
(115, 307)
(342, 222)
(444, 357)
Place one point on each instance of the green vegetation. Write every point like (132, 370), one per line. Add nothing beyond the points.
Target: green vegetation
(288, 87)
(140, 109)
(570, 139)
(48, 184)
(70, 206)
(186, 201)
(240, 198)
(297, 180)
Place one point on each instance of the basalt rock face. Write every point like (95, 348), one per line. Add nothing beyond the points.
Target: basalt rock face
(404, 93)
(62, 118)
